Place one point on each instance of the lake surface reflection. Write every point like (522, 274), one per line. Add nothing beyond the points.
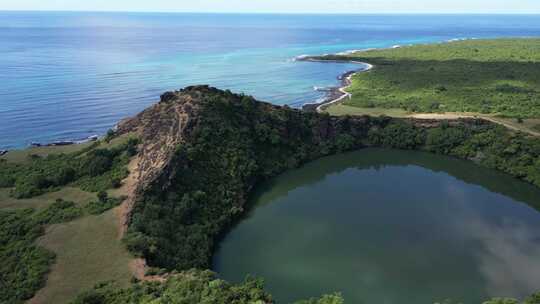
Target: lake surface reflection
(384, 226)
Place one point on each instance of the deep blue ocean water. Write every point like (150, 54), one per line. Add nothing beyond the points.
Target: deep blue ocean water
(66, 76)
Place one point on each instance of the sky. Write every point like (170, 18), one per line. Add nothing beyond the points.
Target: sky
(282, 6)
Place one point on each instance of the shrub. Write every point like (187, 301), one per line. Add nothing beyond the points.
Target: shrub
(24, 265)
(103, 204)
(59, 212)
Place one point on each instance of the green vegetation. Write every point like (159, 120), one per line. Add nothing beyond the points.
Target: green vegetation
(92, 169)
(103, 203)
(24, 265)
(188, 287)
(193, 286)
(22, 156)
(483, 76)
(73, 194)
(88, 251)
(34, 197)
(59, 212)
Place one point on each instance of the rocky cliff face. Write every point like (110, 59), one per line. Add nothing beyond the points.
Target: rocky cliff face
(204, 149)
(161, 128)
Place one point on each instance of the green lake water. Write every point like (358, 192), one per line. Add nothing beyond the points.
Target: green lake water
(389, 227)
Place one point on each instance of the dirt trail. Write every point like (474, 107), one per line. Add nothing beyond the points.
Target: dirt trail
(128, 189)
(470, 115)
(137, 266)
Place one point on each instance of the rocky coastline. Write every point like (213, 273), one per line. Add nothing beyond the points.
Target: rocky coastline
(333, 94)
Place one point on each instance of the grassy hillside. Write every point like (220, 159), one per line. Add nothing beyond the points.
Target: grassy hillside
(54, 237)
(483, 76)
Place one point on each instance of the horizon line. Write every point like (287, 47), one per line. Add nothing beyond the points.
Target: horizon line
(281, 12)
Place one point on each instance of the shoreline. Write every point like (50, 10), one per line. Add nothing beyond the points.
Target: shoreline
(61, 143)
(335, 94)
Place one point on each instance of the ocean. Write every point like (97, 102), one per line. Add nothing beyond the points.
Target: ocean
(67, 75)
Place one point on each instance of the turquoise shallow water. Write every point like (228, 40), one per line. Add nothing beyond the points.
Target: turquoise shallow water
(70, 75)
(389, 227)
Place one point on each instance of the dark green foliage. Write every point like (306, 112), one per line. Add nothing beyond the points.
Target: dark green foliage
(24, 265)
(97, 162)
(139, 243)
(399, 135)
(442, 140)
(103, 204)
(92, 169)
(185, 288)
(58, 212)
